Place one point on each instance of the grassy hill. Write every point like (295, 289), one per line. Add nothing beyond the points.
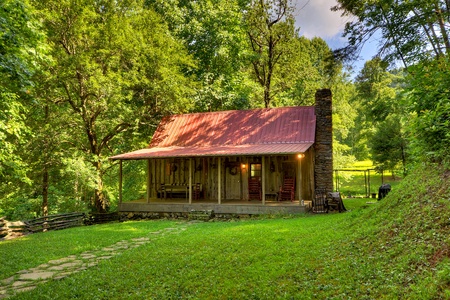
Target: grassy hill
(398, 248)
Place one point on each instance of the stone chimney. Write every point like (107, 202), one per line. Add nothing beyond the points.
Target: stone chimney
(323, 167)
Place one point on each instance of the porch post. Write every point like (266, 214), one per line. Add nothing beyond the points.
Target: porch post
(263, 179)
(149, 174)
(299, 180)
(190, 181)
(219, 181)
(120, 181)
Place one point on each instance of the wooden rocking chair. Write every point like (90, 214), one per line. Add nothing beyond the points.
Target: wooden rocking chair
(320, 203)
(196, 191)
(254, 189)
(287, 190)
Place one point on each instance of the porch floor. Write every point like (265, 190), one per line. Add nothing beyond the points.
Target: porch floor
(177, 205)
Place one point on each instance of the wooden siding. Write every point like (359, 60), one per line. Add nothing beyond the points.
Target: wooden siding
(234, 178)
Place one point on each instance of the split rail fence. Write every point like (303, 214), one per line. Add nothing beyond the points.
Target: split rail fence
(53, 222)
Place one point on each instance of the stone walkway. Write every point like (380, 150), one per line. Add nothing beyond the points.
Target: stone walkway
(27, 280)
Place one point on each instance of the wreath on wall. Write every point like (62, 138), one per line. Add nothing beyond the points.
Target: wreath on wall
(233, 170)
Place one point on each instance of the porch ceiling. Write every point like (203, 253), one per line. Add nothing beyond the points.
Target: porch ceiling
(209, 151)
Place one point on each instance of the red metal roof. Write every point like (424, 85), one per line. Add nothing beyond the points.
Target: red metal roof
(284, 130)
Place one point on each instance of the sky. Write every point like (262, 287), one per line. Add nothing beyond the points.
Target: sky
(315, 19)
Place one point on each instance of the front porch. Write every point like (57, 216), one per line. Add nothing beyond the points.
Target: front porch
(239, 207)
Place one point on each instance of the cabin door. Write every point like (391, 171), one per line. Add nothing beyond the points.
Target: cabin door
(232, 182)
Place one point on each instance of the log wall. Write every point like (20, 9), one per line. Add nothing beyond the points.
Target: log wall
(234, 178)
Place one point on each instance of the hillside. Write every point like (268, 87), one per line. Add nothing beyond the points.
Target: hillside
(406, 238)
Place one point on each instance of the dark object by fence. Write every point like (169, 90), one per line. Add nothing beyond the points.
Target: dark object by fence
(55, 222)
(100, 218)
(383, 190)
(335, 201)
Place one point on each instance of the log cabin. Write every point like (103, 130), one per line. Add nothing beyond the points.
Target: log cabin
(256, 161)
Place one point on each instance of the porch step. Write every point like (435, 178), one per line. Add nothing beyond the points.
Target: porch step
(203, 215)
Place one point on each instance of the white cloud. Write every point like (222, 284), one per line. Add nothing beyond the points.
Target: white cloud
(315, 19)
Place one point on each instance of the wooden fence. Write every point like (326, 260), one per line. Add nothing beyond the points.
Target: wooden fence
(53, 222)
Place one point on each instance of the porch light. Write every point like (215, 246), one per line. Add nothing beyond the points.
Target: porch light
(300, 155)
(243, 166)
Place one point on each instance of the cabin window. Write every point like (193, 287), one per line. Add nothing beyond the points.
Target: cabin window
(255, 170)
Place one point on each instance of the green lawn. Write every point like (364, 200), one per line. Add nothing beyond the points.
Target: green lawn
(397, 248)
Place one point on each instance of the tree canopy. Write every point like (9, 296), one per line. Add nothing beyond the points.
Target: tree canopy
(82, 80)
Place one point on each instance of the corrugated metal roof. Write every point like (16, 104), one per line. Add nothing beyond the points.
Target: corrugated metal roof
(283, 130)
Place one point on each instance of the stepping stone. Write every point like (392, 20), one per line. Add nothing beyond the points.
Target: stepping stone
(142, 239)
(25, 289)
(7, 281)
(122, 247)
(36, 276)
(68, 265)
(88, 256)
(105, 257)
(108, 249)
(62, 260)
(80, 269)
(91, 264)
(63, 275)
(43, 266)
(18, 284)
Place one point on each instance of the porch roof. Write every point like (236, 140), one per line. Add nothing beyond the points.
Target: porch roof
(271, 131)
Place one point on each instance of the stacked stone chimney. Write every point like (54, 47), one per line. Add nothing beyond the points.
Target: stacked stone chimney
(323, 167)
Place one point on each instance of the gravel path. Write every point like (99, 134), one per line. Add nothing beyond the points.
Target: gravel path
(26, 280)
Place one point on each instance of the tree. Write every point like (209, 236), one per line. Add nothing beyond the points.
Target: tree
(270, 30)
(307, 66)
(344, 115)
(410, 30)
(213, 31)
(381, 114)
(429, 106)
(116, 68)
(389, 145)
(19, 36)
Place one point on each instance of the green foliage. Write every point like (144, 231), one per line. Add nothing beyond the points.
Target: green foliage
(429, 98)
(411, 30)
(115, 68)
(380, 121)
(270, 28)
(388, 145)
(18, 37)
(344, 115)
(214, 34)
(415, 33)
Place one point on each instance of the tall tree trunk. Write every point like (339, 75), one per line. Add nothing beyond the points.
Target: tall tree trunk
(45, 184)
(45, 181)
(100, 201)
(267, 96)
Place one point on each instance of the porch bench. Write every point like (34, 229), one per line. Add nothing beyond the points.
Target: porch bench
(176, 190)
